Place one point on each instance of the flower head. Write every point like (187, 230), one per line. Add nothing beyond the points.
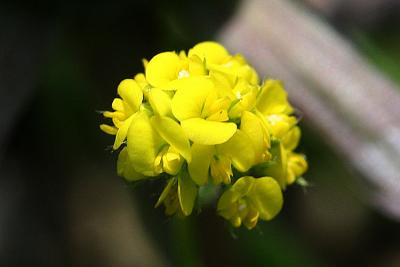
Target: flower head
(202, 119)
(250, 199)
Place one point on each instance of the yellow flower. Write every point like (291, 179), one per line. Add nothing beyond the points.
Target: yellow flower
(201, 113)
(297, 166)
(125, 167)
(244, 98)
(168, 160)
(249, 200)
(146, 138)
(125, 108)
(221, 170)
(238, 150)
(201, 120)
(219, 61)
(272, 99)
(166, 69)
(285, 166)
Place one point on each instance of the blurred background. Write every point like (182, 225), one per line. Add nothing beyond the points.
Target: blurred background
(61, 202)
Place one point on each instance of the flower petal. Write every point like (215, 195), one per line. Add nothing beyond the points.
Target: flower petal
(118, 104)
(162, 69)
(144, 143)
(297, 165)
(266, 197)
(190, 97)
(160, 101)
(131, 93)
(280, 124)
(173, 134)
(238, 148)
(125, 167)
(243, 186)
(277, 168)
(208, 132)
(108, 129)
(292, 138)
(172, 161)
(273, 99)
(212, 52)
(251, 125)
(187, 192)
(200, 164)
(122, 132)
(226, 204)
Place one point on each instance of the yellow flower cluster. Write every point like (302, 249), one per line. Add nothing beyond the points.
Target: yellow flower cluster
(201, 119)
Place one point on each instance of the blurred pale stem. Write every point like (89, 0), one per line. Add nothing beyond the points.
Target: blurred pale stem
(348, 101)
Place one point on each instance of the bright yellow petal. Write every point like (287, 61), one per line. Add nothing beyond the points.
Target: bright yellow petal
(118, 104)
(297, 165)
(108, 129)
(200, 164)
(240, 150)
(116, 114)
(187, 192)
(243, 186)
(248, 73)
(246, 100)
(221, 169)
(141, 80)
(223, 82)
(173, 134)
(215, 109)
(196, 66)
(281, 124)
(131, 93)
(144, 144)
(172, 161)
(122, 132)
(190, 97)
(292, 138)
(251, 125)
(272, 99)
(205, 132)
(162, 69)
(125, 167)
(266, 197)
(212, 52)
(160, 102)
